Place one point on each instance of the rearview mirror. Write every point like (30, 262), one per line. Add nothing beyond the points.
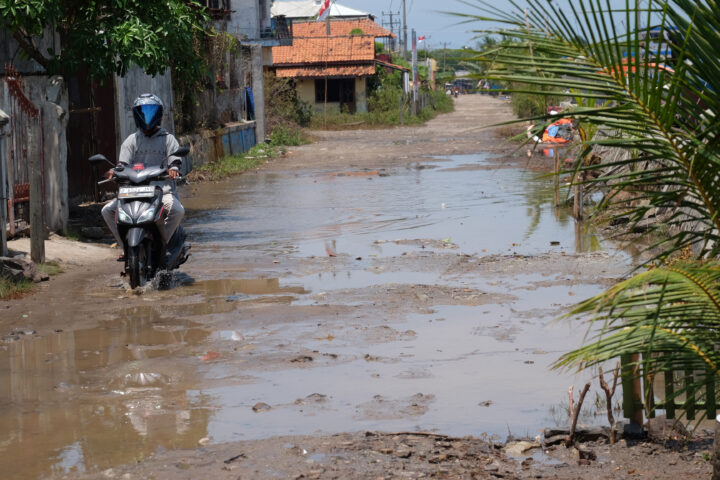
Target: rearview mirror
(98, 158)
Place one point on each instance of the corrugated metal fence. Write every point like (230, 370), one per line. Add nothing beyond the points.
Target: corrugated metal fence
(24, 120)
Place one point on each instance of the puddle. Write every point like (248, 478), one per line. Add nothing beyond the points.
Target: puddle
(249, 324)
(69, 396)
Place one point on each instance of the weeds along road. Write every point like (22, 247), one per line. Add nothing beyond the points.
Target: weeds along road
(387, 280)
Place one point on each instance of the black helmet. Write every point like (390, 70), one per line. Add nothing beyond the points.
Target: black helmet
(148, 111)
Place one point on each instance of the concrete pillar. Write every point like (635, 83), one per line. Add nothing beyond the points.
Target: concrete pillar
(258, 88)
(4, 120)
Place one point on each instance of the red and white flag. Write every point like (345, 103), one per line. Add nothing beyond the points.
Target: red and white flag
(421, 39)
(324, 11)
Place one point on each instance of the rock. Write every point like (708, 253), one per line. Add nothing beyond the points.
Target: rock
(517, 449)
(261, 407)
(554, 440)
(630, 430)
(19, 269)
(438, 458)
(95, 233)
(586, 454)
(403, 451)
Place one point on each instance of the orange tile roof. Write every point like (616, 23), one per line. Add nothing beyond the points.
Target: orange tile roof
(317, 71)
(339, 28)
(326, 49)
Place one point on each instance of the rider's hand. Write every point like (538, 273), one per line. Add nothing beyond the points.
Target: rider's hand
(173, 174)
(109, 174)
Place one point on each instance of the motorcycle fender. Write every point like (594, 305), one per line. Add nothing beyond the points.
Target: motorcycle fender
(134, 236)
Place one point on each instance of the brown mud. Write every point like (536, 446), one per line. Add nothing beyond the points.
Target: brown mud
(379, 304)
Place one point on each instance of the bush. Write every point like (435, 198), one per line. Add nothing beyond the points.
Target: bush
(525, 105)
(282, 105)
(286, 136)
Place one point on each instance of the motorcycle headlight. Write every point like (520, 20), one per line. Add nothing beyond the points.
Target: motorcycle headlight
(123, 217)
(147, 215)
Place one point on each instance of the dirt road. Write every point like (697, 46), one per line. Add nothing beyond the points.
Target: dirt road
(402, 280)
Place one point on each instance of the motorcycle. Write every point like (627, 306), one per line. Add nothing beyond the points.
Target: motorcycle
(139, 218)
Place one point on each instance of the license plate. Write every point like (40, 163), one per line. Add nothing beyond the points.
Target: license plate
(136, 192)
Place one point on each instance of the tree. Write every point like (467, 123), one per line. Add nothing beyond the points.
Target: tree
(108, 36)
(661, 103)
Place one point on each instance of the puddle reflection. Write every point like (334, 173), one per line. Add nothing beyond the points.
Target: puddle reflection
(67, 405)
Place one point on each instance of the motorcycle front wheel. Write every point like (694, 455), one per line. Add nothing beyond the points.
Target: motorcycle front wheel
(136, 265)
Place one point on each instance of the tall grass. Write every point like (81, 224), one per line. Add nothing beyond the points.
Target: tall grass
(10, 289)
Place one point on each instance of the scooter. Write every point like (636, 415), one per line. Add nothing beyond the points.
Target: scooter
(139, 219)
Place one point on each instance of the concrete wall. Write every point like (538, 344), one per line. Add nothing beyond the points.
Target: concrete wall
(245, 21)
(50, 96)
(209, 146)
(305, 88)
(128, 88)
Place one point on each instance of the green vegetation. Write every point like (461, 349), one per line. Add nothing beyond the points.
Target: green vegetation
(50, 268)
(667, 122)
(287, 136)
(283, 108)
(10, 289)
(234, 164)
(382, 113)
(107, 36)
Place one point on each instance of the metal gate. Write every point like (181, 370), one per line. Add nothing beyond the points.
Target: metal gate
(24, 120)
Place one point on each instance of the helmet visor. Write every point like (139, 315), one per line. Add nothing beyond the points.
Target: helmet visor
(148, 113)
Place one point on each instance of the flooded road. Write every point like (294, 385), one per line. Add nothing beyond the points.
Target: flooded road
(342, 296)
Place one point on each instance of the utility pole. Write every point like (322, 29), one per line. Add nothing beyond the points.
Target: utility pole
(327, 54)
(392, 24)
(404, 21)
(4, 120)
(444, 53)
(415, 78)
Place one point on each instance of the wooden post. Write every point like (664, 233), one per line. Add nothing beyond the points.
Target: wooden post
(578, 203)
(716, 451)
(557, 177)
(669, 395)
(710, 405)
(689, 395)
(37, 224)
(632, 391)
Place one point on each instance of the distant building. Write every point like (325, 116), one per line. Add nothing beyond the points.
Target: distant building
(307, 9)
(342, 60)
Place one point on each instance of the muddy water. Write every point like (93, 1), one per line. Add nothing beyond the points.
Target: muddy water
(314, 303)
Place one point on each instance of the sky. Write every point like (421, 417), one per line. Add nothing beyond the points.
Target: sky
(426, 17)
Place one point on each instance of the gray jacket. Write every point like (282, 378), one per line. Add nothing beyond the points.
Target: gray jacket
(152, 152)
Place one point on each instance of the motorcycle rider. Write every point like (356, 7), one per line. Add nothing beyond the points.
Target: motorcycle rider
(149, 146)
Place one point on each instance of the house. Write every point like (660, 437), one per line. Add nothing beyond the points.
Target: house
(342, 61)
(308, 9)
